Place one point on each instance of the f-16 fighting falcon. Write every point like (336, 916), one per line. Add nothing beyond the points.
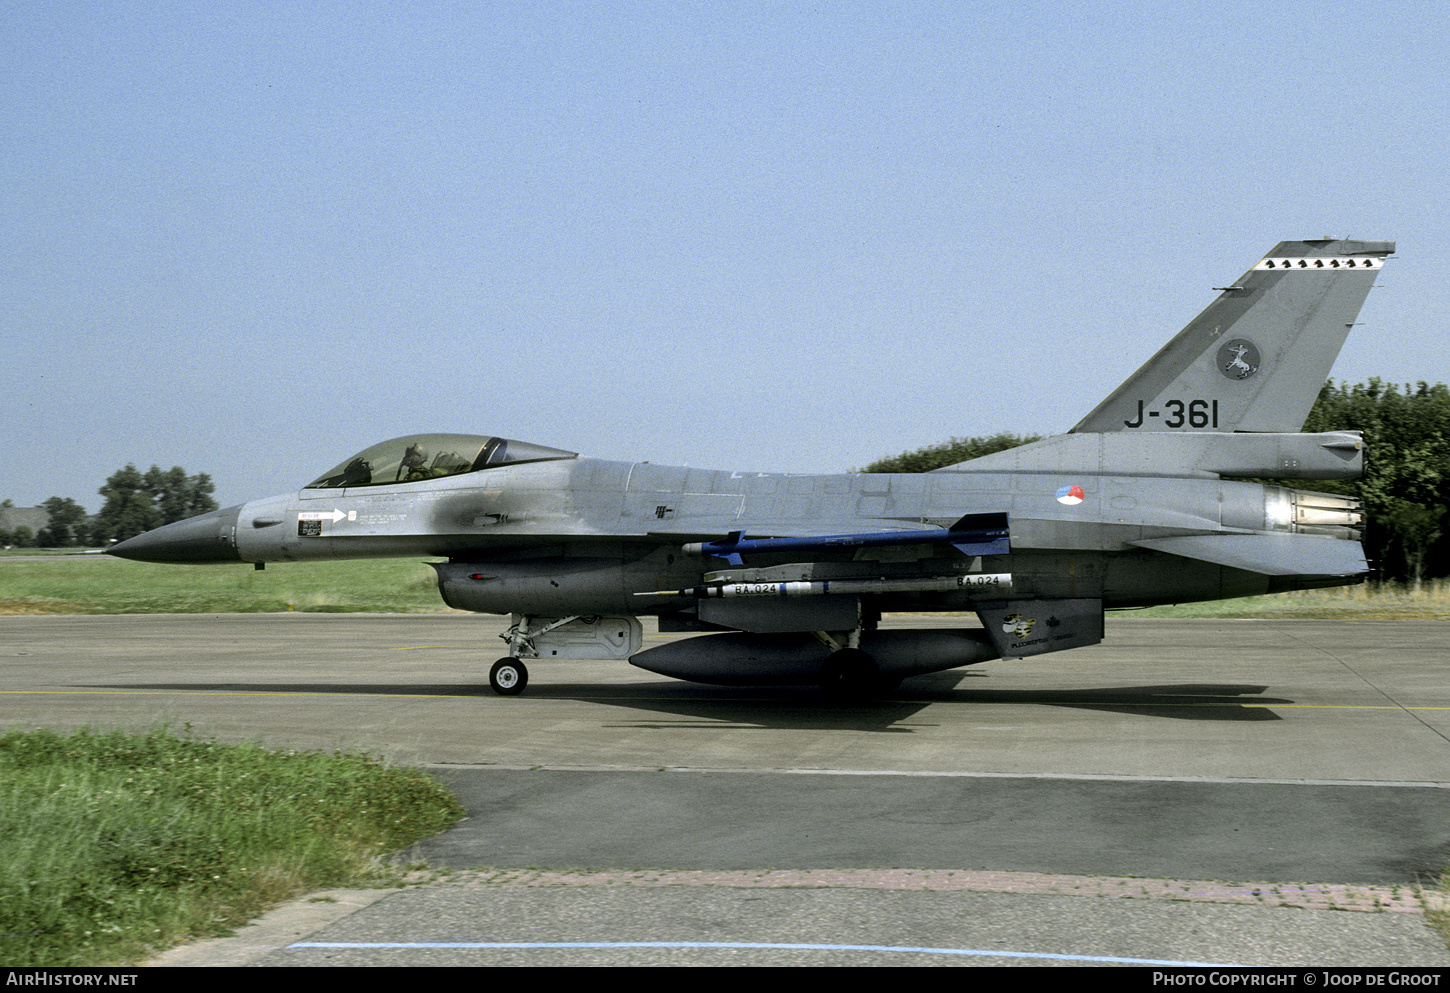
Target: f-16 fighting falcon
(785, 577)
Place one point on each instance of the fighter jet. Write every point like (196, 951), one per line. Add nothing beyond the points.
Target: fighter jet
(785, 577)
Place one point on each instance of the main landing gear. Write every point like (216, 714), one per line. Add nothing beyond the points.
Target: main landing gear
(850, 675)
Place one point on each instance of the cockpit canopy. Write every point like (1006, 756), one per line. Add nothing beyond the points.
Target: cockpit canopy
(430, 456)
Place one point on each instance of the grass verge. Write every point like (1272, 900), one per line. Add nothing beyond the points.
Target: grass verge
(1437, 908)
(100, 584)
(115, 846)
(1367, 601)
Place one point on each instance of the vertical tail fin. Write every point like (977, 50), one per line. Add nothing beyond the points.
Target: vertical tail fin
(1256, 358)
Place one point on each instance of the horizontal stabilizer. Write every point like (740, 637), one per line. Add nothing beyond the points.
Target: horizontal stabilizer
(1269, 554)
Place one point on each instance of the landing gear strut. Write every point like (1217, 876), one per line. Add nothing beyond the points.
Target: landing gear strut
(850, 675)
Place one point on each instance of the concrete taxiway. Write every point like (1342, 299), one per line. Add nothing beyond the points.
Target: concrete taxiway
(1268, 751)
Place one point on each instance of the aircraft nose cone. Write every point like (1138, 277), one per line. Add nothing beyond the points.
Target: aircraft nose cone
(205, 538)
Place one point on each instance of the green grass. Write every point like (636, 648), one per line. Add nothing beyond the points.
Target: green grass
(13, 552)
(1369, 601)
(1437, 908)
(114, 846)
(100, 584)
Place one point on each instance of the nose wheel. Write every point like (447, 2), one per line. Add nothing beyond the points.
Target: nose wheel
(508, 677)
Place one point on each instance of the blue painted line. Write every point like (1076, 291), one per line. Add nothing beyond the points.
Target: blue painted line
(971, 952)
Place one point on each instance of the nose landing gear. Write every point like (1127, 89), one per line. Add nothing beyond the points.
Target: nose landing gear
(508, 677)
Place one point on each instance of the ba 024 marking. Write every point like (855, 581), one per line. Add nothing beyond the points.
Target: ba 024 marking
(1176, 414)
(984, 579)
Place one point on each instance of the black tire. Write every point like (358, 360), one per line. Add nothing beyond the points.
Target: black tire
(508, 677)
(850, 675)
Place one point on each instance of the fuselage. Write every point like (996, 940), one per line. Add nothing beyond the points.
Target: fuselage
(583, 535)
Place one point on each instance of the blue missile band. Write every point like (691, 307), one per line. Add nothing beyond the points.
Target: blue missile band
(975, 534)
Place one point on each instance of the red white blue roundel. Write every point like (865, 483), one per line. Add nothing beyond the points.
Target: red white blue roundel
(1070, 495)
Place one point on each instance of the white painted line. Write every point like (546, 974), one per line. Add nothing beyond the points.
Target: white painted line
(950, 774)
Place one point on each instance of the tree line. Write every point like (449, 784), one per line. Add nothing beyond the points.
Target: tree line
(1406, 481)
(1406, 471)
(135, 502)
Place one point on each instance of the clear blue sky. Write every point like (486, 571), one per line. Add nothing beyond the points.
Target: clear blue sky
(252, 239)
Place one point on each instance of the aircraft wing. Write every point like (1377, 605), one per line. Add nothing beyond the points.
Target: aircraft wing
(725, 536)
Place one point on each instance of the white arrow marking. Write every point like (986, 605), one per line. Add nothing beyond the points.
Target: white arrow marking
(318, 515)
